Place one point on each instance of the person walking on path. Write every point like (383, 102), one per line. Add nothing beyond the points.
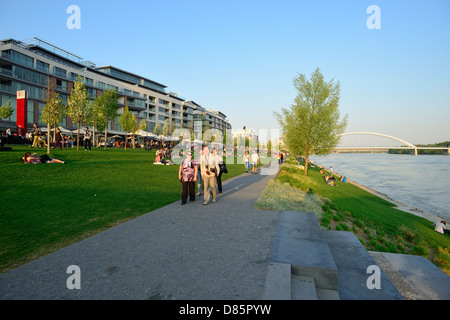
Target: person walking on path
(36, 133)
(199, 174)
(255, 161)
(246, 161)
(58, 138)
(219, 160)
(209, 169)
(188, 175)
(87, 139)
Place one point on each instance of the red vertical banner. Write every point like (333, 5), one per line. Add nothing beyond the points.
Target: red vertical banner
(22, 106)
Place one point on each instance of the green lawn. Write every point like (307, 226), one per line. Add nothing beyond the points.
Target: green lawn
(45, 207)
(377, 223)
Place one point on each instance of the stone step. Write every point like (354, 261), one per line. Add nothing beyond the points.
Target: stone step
(300, 242)
(303, 288)
(352, 261)
(415, 276)
(281, 284)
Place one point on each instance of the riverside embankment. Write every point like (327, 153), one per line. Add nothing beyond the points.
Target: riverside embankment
(380, 223)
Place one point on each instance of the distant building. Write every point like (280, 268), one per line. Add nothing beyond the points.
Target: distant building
(28, 65)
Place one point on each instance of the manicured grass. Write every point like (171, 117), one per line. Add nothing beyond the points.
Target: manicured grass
(377, 223)
(45, 207)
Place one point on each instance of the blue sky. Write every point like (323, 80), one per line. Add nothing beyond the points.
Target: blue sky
(240, 57)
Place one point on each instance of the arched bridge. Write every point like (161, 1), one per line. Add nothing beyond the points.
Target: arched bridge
(377, 142)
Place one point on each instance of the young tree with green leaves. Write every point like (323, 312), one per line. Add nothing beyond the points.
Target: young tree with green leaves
(6, 111)
(312, 123)
(107, 108)
(79, 105)
(157, 129)
(53, 111)
(127, 122)
(96, 120)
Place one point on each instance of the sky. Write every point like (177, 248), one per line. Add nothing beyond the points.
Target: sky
(240, 57)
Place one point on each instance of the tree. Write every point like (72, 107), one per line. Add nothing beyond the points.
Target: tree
(96, 119)
(53, 111)
(312, 124)
(6, 111)
(157, 129)
(107, 104)
(79, 105)
(127, 122)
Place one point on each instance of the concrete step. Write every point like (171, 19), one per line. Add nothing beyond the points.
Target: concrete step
(415, 276)
(303, 288)
(300, 242)
(281, 284)
(308, 263)
(352, 261)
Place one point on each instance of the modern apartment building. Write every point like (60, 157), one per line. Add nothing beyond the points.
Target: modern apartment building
(29, 65)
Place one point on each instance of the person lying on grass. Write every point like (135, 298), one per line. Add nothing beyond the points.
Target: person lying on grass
(32, 158)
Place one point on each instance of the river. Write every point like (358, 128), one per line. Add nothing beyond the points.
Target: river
(420, 181)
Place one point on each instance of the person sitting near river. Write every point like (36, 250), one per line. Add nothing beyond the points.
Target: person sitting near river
(329, 180)
(441, 227)
(343, 179)
(32, 158)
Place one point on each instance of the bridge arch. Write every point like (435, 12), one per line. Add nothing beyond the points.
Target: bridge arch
(409, 144)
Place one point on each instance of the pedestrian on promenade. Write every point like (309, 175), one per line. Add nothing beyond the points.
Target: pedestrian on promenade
(209, 170)
(58, 139)
(199, 174)
(87, 139)
(255, 161)
(219, 160)
(188, 175)
(246, 161)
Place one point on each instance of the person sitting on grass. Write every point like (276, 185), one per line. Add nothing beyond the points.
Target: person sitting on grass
(330, 180)
(441, 227)
(32, 158)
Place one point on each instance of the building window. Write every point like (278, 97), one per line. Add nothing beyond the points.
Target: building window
(42, 66)
(59, 72)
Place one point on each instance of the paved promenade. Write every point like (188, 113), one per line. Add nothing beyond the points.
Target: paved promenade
(218, 251)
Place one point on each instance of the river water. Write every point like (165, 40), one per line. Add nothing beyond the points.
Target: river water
(420, 181)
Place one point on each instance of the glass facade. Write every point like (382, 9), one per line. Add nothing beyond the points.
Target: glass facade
(20, 71)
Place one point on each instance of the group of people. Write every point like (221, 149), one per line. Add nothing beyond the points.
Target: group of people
(39, 139)
(209, 170)
(251, 162)
(163, 156)
(329, 177)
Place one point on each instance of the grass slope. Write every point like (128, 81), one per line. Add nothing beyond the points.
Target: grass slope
(377, 223)
(45, 207)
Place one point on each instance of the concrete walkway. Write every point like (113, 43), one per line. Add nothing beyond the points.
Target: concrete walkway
(218, 251)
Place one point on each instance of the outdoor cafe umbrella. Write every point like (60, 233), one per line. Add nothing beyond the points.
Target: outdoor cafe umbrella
(63, 130)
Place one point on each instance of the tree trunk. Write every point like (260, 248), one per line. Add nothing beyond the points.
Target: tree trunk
(78, 137)
(48, 137)
(93, 135)
(126, 140)
(106, 133)
(134, 143)
(306, 163)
